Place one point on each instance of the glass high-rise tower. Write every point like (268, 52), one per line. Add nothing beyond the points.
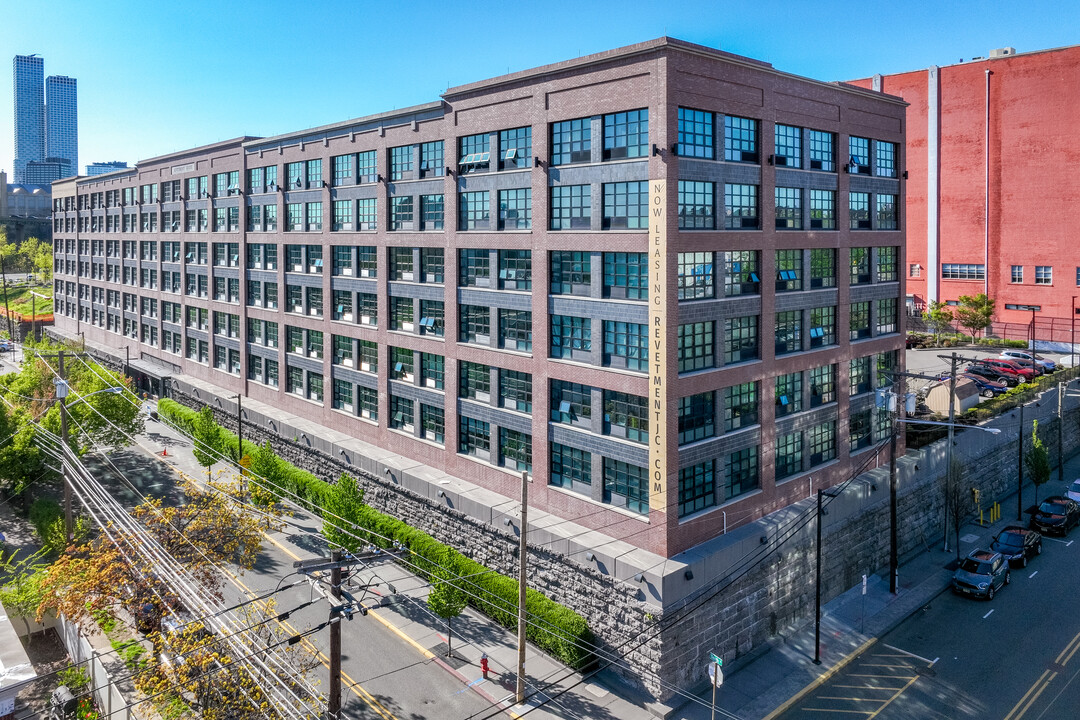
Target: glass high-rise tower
(62, 123)
(29, 84)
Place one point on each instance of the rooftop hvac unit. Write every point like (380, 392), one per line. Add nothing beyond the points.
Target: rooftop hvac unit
(1002, 52)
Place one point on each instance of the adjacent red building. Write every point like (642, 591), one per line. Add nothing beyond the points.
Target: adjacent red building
(991, 166)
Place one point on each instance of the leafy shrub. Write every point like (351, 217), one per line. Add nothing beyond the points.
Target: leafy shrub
(493, 594)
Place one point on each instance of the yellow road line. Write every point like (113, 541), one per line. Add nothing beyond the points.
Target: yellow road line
(1066, 649)
(898, 694)
(1070, 656)
(833, 710)
(1012, 713)
(819, 680)
(891, 677)
(1033, 698)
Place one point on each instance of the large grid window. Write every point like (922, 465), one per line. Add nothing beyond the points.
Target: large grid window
(822, 209)
(368, 400)
(859, 375)
(571, 337)
(626, 134)
(860, 430)
(401, 263)
(626, 276)
(740, 206)
(822, 151)
(887, 311)
(366, 170)
(789, 455)
(626, 485)
(697, 136)
(788, 332)
(788, 394)
(860, 266)
(859, 211)
(742, 473)
(515, 269)
(431, 159)
(432, 423)
(365, 214)
(858, 155)
(740, 139)
(1044, 275)
(697, 487)
(432, 264)
(697, 205)
(740, 406)
(343, 350)
(626, 416)
(474, 381)
(343, 215)
(474, 437)
(474, 268)
(401, 313)
(822, 326)
(515, 449)
(788, 208)
(571, 141)
(401, 212)
(860, 320)
(697, 417)
(570, 402)
(515, 329)
(432, 317)
(1018, 274)
(515, 390)
(887, 212)
(741, 273)
(401, 413)
(696, 346)
(626, 345)
(822, 268)
(962, 271)
(822, 385)
(294, 217)
(741, 339)
(475, 324)
(431, 212)
(788, 146)
(626, 205)
(474, 210)
(885, 159)
(402, 364)
(341, 166)
(474, 153)
(401, 162)
(887, 263)
(515, 148)
(571, 272)
(696, 275)
(342, 395)
(571, 207)
(789, 270)
(570, 467)
(515, 209)
(432, 371)
(822, 442)
(314, 173)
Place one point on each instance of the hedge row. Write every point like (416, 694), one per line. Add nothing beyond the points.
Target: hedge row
(571, 635)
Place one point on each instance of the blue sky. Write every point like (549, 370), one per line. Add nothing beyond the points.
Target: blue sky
(155, 77)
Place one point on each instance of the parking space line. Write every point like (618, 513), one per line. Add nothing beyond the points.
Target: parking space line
(867, 687)
(1033, 574)
(847, 699)
(892, 677)
(1063, 542)
(830, 710)
(905, 665)
(898, 694)
(988, 614)
(910, 654)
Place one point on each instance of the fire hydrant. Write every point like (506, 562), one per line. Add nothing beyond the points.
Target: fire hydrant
(484, 665)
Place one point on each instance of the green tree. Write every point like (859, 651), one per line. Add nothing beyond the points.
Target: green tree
(1037, 460)
(267, 475)
(206, 435)
(938, 317)
(21, 461)
(37, 257)
(342, 507)
(975, 312)
(447, 601)
(21, 591)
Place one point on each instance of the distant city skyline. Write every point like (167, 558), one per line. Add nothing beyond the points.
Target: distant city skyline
(193, 74)
(46, 128)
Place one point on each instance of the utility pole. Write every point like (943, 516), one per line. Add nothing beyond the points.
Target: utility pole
(949, 446)
(523, 549)
(333, 702)
(817, 598)
(1060, 434)
(1020, 465)
(61, 397)
(894, 551)
(7, 308)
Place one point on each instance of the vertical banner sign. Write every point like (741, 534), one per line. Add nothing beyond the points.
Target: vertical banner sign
(658, 298)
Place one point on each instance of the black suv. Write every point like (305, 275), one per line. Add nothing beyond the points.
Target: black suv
(990, 373)
(1056, 514)
(981, 573)
(1016, 544)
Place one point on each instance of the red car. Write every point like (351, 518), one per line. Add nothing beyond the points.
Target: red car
(1009, 367)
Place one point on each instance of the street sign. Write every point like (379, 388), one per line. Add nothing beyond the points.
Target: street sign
(716, 674)
(716, 659)
(863, 584)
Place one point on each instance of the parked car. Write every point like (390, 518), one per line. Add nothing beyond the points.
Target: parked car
(5, 346)
(1030, 364)
(993, 374)
(987, 388)
(981, 573)
(1026, 373)
(1056, 514)
(1047, 365)
(1017, 543)
(1074, 491)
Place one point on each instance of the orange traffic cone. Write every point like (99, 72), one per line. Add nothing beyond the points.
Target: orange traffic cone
(165, 452)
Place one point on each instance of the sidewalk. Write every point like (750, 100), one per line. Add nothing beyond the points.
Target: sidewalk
(758, 688)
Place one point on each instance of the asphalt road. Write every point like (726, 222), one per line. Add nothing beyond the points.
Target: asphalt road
(384, 677)
(1013, 657)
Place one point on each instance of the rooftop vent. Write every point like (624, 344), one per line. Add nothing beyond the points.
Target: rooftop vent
(1003, 52)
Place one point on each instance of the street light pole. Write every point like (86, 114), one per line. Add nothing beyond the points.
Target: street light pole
(817, 598)
(1020, 467)
(523, 551)
(894, 552)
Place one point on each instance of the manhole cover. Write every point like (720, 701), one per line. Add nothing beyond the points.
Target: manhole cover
(969, 538)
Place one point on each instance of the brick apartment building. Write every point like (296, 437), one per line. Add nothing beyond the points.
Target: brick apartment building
(990, 187)
(480, 283)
